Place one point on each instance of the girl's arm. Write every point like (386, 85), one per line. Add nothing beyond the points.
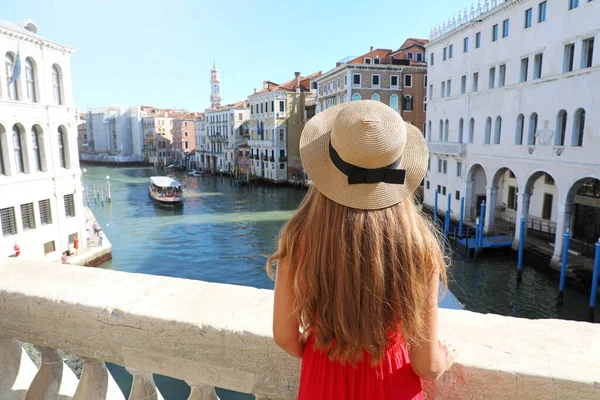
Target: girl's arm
(432, 358)
(285, 326)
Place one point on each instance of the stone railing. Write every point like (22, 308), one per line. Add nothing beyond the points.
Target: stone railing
(214, 335)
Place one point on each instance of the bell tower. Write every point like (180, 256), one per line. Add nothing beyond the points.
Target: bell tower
(215, 87)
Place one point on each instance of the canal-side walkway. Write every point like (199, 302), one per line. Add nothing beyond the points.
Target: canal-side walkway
(93, 254)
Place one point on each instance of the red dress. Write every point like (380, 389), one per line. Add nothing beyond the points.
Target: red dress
(393, 379)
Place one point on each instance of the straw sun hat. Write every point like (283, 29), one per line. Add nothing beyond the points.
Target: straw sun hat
(361, 154)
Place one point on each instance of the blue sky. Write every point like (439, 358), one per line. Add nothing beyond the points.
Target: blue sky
(157, 52)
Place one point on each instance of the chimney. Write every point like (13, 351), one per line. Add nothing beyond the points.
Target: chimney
(254, 90)
(265, 85)
(371, 49)
(297, 80)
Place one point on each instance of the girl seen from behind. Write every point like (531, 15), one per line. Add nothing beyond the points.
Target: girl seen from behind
(358, 268)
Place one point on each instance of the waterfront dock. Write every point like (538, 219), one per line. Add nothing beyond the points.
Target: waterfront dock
(92, 254)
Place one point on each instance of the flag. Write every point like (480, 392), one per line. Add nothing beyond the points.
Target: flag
(16, 72)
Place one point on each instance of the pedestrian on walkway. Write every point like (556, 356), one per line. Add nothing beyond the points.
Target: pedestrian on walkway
(100, 236)
(358, 267)
(63, 259)
(95, 227)
(76, 242)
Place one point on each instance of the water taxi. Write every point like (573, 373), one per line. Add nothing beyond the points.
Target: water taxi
(165, 190)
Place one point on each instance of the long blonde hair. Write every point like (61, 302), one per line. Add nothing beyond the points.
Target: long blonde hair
(359, 275)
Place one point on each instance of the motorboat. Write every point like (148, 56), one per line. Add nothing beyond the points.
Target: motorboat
(165, 190)
(202, 173)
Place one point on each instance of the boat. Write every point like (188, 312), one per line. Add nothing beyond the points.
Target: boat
(165, 190)
(203, 173)
(192, 172)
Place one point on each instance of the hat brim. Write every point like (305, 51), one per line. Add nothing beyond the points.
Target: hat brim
(314, 152)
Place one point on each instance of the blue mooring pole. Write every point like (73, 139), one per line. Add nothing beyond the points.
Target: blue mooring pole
(521, 246)
(563, 268)
(481, 224)
(447, 219)
(594, 293)
(435, 202)
(477, 223)
(462, 215)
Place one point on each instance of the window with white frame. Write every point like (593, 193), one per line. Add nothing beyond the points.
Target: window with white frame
(420, 57)
(281, 106)
(45, 212)
(408, 80)
(338, 83)
(376, 60)
(13, 92)
(449, 88)
(502, 75)
(409, 55)
(57, 84)
(458, 168)
(356, 79)
(281, 135)
(368, 60)
(408, 103)
(394, 81)
(492, 78)
(463, 84)
(451, 51)
(30, 76)
(375, 80)
(537, 66)
(27, 216)
(587, 53)
(8, 221)
(69, 205)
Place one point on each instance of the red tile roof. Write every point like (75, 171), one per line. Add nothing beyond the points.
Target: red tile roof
(289, 85)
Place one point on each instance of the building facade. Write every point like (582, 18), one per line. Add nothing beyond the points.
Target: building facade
(82, 139)
(41, 201)
(278, 114)
(115, 134)
(511, 121)
(157, 128)
(201, 154)
(184, 136)
(226, 132)
(396, 78)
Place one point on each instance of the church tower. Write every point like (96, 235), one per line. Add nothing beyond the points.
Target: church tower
(215, 87)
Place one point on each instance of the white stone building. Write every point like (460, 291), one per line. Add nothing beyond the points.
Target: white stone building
(115, 134)
(225, 131)
(41, 202)
(511, 116)
(200, 131)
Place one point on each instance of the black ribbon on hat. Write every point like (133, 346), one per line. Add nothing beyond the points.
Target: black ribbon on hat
(356, 175)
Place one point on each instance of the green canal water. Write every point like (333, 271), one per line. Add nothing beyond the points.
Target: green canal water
(223, 234)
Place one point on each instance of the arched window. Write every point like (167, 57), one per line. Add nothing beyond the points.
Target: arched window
(498, 130)
(520, 129)
(441, 133)
(30, 76)
(471, 130)
(3, 156)
(461, 126)
(488, 130)
(35, 149)
(13, 92)
(57, 84)
(355, 97)
(18, 150)
(561, 128)
(533, 122)
(429, 131)
(394, 102)
(375, 97)
(63, 143)
(578, 128)
(408, 103)
(446, 130)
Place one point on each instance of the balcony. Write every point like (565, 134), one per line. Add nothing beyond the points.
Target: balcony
(214, 335)
(448, 148)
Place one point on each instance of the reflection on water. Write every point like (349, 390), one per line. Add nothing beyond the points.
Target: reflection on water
(223, 234)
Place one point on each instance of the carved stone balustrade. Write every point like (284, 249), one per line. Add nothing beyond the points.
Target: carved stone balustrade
(214, 335)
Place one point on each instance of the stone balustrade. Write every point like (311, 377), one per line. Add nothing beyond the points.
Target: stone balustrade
(447, 148)
(214, 335)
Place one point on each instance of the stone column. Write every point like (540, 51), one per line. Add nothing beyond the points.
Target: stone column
(202, 392)
(522, 211)
(470, 211)
(491, 193)
(46, 383)
(563, 222)
(143, 387)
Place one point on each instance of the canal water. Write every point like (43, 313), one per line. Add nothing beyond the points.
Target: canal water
(223, 234)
